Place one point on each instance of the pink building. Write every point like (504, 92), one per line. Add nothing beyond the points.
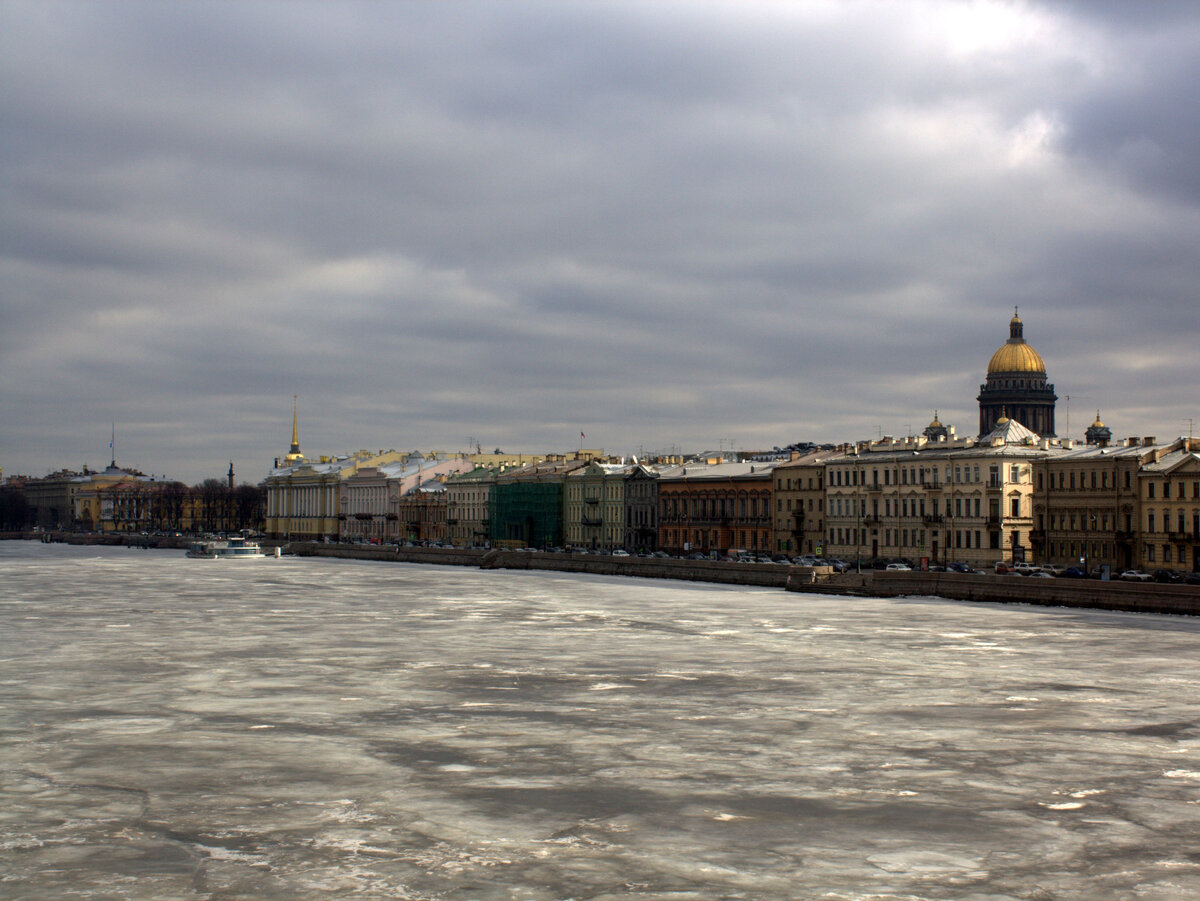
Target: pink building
(370, 500)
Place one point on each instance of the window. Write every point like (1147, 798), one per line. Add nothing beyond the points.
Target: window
(1149, 489)
(1166, 490)
(1150, 522)
(1015, 506)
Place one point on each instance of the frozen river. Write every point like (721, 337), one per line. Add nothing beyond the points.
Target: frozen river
(299, 728)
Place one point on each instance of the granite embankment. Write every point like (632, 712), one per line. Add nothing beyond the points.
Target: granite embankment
(1137, 597)
(1125, 596)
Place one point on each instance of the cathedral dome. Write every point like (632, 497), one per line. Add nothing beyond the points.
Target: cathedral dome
(1016, 355)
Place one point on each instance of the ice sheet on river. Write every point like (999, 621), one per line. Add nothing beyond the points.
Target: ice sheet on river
(300, 729)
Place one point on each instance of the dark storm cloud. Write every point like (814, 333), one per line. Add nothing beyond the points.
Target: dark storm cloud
(661, 224)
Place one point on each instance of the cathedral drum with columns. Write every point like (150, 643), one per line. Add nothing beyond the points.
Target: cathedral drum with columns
(1016, 387)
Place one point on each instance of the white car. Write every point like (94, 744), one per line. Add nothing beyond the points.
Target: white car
(899, 568)
(620, 552)
(1132, 575)
(1024, 568)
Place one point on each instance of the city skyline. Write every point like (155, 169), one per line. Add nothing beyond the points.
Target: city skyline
(662, 225)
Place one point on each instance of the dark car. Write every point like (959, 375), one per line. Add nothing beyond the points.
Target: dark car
(1168, 575)
(1192, 579)
(959, 568)
(1072, 572)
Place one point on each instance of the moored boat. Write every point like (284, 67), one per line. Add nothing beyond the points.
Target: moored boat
(239, 548)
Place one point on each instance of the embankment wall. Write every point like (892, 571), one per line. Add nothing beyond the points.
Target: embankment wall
(1124, 596)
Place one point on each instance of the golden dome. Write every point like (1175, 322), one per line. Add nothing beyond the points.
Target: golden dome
(1098, 424)
(936, 424)
(1016, 358)
(1016, 355)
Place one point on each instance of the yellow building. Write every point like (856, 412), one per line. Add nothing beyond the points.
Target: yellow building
(594, 506)
(950, 500)
(1130, 506)
(303, 495)
(1169, 488)
(799, 499)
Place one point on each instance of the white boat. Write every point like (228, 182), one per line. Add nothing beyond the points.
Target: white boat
(241, 548)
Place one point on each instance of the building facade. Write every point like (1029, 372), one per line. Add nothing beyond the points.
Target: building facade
(799, 497)
(716, 508)
(594, 506)
(468, 516)
(526, 504)
(1169, 488)
(947, 501)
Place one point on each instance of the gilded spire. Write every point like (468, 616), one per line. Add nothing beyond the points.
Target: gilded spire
(294, 451)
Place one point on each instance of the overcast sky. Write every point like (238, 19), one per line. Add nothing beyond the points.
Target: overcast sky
(664, 225)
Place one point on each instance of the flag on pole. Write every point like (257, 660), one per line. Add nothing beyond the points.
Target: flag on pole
(581, 435)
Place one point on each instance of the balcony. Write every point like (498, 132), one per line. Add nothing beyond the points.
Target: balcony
(874, 486)
(931, 518)
(870, 520)
(593, 521)
(591, 500)
(1180, 537)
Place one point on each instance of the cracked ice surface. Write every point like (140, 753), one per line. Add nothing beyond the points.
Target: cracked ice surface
(294, 729)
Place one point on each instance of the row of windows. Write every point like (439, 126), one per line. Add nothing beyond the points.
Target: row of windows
(798, 484)
(1165, 553)
(704, 538)
(716, 507)
(1180, 521)
(1180, 489)
(915, 538)
(1067, 480)
(820, 504)
(922, 475)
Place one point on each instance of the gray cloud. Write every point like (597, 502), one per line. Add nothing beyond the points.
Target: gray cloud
(659, 224)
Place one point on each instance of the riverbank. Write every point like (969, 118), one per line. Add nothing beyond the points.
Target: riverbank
(1182, 600)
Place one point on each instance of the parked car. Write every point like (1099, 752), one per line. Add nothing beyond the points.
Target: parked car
(1168, 575)
(958, 568)
(898, 568)
(1001, 568)
(1025, 568)
(1055, 569)
(1072, 572)
(620, 552)
(1041, 574)
(1192, 578)
(1134, 575)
